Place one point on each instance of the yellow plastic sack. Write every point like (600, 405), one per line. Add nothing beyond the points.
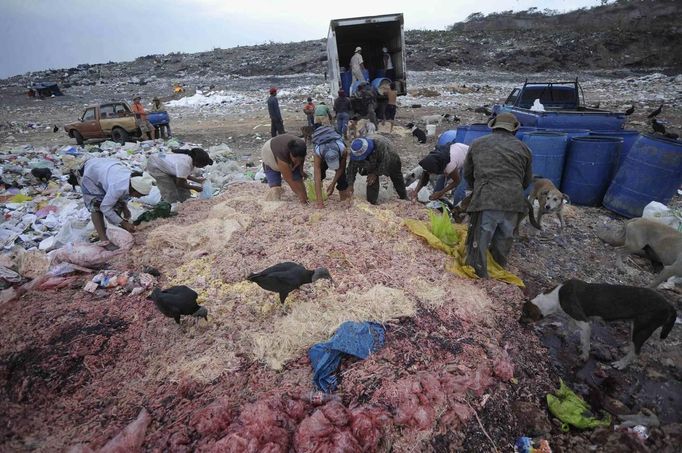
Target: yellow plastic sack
(441, 227)
(573, 410)
(310, 191)
(458, 252)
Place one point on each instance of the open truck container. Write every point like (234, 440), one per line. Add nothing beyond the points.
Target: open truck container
(371, 33)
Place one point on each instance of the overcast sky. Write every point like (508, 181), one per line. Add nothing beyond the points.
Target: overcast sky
(41, 34)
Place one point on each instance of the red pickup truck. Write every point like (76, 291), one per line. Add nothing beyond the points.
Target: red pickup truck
(113, 121)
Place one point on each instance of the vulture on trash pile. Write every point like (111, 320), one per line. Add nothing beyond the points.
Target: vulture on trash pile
(42, 174)
(178, 301)
(658, 126)
(630, 111)
(655, 112)
(283, 278)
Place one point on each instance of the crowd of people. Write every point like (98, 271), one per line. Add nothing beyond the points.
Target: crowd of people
(495, 170)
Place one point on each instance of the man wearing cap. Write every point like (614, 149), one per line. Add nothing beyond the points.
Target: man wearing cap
(357, 66)
(162, 129)
(498, 168)
(373, 156)
(276, 122)
(388, 64)
(329, 153)
(107, 185)
(141, 120)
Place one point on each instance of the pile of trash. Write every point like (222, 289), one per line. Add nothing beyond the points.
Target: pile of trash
(43, 215)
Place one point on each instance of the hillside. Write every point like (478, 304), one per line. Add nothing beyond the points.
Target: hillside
(635, 35)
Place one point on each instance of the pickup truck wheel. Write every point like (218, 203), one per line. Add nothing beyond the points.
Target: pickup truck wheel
(119, 135)
(79, 138)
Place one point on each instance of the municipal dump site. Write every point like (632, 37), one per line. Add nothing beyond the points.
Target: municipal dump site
(222, 314)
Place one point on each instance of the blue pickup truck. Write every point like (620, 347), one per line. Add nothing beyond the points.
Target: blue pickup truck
(564, 108)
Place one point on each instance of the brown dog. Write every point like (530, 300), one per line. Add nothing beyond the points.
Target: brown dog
(307, 134)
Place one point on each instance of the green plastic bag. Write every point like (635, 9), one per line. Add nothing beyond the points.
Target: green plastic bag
(441, 227)
(310, 191)
(573, 410)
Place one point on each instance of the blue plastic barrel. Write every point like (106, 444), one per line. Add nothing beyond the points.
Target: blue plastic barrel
(549, 151)
(475, 131)
(588, 168)
(346, 79)
(447, 137)
(629, 138)
(570, 133)
(158, 118)
(651, 171)
(523, 130)
(376, 83)
(461, 132)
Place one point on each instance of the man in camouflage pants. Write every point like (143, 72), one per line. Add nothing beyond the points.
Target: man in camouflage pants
(498, 168)
(373, 156)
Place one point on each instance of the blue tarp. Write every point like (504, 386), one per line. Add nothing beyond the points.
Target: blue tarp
(359, 339)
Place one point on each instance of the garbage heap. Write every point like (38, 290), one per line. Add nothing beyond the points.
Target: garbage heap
(82, 366)
(40, 216)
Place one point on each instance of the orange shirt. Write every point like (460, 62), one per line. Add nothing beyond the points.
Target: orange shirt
(138, 109)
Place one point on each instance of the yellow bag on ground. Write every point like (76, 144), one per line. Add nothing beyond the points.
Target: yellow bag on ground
(458, 252)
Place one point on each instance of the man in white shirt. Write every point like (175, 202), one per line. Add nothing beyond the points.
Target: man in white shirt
(173, 172)
(107, 185)
(356, 65)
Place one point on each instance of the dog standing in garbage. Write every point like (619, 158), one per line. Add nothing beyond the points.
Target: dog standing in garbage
(550, 201)
(581, 302)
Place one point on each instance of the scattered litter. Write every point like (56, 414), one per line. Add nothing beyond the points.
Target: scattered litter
(525, 445)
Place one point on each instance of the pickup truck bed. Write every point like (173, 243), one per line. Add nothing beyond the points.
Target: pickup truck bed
(566, 119)
(564, 108)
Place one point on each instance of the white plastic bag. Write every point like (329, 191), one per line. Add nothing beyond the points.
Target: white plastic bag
(661, 213)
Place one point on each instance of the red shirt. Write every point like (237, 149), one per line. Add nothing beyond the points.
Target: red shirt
(138, 109)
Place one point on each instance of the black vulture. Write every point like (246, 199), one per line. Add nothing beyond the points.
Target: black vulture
(178, 301)
(283, 278)
(655, 112)
(42, 174)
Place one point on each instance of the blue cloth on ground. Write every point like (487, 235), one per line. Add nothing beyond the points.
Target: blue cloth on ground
(359, 339)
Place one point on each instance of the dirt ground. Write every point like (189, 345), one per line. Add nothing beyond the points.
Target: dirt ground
(70, 364)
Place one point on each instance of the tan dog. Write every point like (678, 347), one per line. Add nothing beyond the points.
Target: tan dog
(550, 199)
(655, 240)
(352, 129)
(307, 134)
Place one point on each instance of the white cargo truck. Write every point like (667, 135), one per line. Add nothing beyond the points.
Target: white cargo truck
(372, 33)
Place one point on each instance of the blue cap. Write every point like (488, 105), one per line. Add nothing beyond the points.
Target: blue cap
(361, 148)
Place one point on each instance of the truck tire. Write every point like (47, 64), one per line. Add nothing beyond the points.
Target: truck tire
(119, 135)
(77, 135)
